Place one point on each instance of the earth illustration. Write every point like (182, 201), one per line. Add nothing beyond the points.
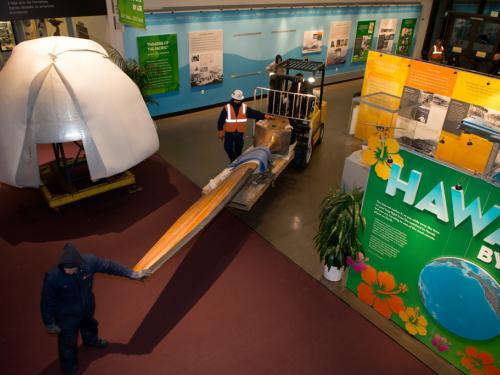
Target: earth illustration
(461, 297)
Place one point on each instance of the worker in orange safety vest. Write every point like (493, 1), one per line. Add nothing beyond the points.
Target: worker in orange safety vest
(437, 52)
(233, 121)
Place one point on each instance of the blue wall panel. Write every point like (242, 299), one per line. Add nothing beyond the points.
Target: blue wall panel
(250, 54)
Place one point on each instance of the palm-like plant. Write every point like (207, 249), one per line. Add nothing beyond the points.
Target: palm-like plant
(131, 68)
(340, 221)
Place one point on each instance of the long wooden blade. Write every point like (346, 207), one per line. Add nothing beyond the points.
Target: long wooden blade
(196, 218)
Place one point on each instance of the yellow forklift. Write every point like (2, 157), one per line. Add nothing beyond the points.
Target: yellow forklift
(297, 96)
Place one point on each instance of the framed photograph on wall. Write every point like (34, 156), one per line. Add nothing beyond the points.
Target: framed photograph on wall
(56, 27)
(7, 40)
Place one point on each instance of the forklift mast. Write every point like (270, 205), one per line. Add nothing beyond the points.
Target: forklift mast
(313, 67)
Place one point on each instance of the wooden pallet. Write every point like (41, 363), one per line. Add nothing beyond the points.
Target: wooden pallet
(251, 192)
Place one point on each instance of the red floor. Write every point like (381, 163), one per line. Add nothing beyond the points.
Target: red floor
(229, 303)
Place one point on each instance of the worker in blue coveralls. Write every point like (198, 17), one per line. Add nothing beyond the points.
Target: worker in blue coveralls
(68, 303)
(233, 121)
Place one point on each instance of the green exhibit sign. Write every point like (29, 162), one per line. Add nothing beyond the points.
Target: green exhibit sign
(132, 13)
(406, 36)
(433, 258)
(363, 41)
(158, 54)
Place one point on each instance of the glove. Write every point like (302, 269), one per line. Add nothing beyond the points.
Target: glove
(53, 329)
(220, 134)
(142, 274)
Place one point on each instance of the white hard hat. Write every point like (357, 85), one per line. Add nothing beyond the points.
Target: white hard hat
(237, 95)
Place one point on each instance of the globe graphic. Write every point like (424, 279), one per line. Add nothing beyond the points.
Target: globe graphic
(461, 297)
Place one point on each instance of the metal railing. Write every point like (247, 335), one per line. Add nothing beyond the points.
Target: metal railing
(295, 106)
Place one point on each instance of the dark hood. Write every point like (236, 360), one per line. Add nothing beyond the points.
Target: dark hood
(70, 257)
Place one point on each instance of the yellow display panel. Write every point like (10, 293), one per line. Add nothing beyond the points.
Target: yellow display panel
(384, 73)
(480, 95)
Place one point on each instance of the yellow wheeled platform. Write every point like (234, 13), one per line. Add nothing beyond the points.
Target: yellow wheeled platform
(58, 191)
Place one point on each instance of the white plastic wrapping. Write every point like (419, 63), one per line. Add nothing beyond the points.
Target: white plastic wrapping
(61, 89)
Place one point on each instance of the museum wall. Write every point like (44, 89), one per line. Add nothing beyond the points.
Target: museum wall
(156, 5)
(251, 39)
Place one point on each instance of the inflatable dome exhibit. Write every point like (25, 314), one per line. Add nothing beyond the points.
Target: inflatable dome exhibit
(61, 89)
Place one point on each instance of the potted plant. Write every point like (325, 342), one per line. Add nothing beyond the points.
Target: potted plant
(131, 68)
(340, 220)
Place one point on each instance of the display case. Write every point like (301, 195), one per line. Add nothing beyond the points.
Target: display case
(374, 114)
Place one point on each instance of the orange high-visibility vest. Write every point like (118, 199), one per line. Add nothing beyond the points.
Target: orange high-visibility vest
(437, 53)
(236, 123)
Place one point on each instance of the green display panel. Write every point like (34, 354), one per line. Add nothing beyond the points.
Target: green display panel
(132, 13)
(406, 36)
(363, 41)
(433, 259)
(158, 54)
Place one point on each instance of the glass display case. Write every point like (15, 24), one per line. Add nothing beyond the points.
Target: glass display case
(374, 114)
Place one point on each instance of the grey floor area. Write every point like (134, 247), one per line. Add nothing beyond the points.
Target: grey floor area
(287, 214)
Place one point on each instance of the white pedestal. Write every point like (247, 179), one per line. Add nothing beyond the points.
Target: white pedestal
(355, 172)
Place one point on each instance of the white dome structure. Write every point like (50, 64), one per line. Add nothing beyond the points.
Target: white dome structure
(61, 89)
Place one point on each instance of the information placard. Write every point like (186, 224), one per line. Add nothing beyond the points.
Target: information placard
(433, 258)
(406, 34)
(158, 54)
(132, 13)
(30, 9)
(363, 41)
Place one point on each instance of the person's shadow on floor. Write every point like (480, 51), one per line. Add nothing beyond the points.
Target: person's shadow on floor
(207, 259)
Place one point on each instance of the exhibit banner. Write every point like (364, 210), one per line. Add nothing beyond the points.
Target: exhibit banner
(158, 55)
(132, 13)
(406, 34)
(206, 50)
(386, 34)
(383, 74)
(424, 105)
(432, 256)
(30, 9)
(313, 41)
(338, 42)
(363, 41)
(477, 96)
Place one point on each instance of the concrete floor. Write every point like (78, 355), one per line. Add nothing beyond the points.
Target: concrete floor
(286, 215)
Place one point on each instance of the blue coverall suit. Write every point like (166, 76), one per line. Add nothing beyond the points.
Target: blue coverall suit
(233, 141)
(68, 301)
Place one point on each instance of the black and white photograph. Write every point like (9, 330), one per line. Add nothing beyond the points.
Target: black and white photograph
(205, 57)
(421, 119)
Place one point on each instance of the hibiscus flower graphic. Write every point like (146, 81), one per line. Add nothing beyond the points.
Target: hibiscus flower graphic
(414, 322)
(382, 152)
(478, 363)
(378, 289)
(441, 343)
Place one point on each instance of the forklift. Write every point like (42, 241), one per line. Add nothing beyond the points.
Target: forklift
(299, 99)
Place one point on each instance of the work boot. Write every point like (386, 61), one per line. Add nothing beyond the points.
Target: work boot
(100, 343)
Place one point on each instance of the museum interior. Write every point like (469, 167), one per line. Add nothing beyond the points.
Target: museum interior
(258, 187)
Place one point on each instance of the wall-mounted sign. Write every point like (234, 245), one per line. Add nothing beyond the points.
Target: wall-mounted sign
(406, 34)
(386, 34)
(158, 54)
(338, 42)
(433, 246)
(363, 41)
(206, 51)
(313, 41)
(132, 13)
(26, 9)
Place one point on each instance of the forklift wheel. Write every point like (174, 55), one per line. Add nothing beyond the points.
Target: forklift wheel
(302, 155)
(321, 133)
